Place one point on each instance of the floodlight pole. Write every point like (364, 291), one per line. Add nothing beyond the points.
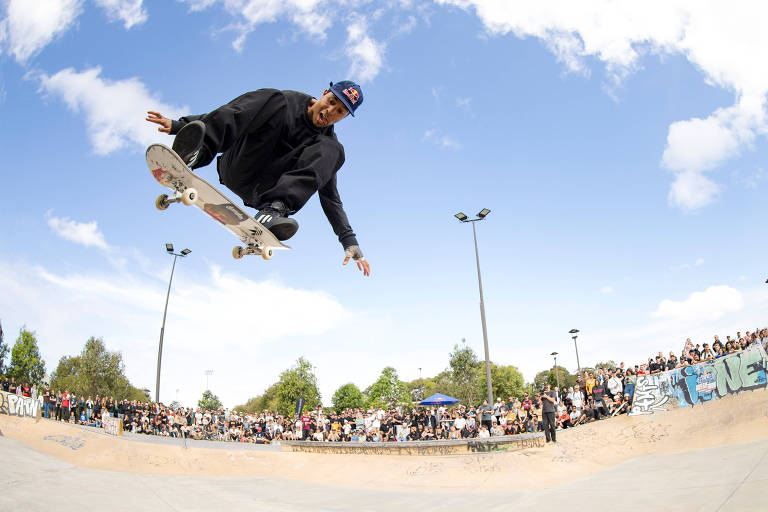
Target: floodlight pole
(557, 374)
(574, 333)
(481, 216)
(165, 313)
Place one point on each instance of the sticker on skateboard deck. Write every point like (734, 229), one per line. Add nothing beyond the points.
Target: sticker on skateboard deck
(170, 171)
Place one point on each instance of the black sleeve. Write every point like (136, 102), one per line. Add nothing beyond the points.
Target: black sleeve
(334, 210)
(176, 125)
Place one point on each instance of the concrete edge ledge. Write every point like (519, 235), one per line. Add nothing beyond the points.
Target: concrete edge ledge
(442, 447)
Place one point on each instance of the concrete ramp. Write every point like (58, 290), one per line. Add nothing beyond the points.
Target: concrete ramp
(709, 457)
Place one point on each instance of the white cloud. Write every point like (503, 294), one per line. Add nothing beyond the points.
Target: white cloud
(606, 289)
(130, 12)
(308, 15)
(699, 262)
(214, 321)
(114, 110)
(29, 26)
(443, 141)
(367, 55)
(711, 304)
(84, 233)
(726, 42)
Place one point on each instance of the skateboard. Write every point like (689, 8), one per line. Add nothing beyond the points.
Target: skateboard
(189, 189)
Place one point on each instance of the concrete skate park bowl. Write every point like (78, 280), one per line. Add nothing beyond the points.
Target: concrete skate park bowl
(712, 456)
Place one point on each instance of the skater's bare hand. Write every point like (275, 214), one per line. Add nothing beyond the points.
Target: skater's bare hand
(158, 118)
(353, 251)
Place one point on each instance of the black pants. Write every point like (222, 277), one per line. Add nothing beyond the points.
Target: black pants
(550, 426)
(257, 163)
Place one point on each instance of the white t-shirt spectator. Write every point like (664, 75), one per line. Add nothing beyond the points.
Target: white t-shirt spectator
(615, 385)
(460, 423)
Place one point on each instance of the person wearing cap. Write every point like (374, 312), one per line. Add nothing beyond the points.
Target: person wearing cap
(276, 149)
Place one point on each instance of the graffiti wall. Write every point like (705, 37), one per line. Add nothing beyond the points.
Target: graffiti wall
(19, 406)
(700, 383)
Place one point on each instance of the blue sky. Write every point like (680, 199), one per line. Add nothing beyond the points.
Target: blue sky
(622, 153)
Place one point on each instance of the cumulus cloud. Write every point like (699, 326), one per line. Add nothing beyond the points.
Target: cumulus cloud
(606, 289)
(725, 42)
(111, 124)
(367, 55)
(31, 26)
(308, 15)
(130, 12)
(84, 233)
(213, 322)
(711, 304)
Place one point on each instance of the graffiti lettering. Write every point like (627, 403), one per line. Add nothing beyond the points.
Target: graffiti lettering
(75, 443)
(20, 406)
(507, 443)
(700, 383)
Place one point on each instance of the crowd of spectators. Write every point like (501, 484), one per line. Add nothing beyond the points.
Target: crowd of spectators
(598, 394)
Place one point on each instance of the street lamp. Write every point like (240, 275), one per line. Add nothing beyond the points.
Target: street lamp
(169, 250)
(574, 333)
(482, 214)
(208, 373)
(557, 375)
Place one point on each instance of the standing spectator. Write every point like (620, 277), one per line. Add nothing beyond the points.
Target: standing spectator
(486, 412)
(548, 400)
(599, 400)
(614, 385)
(47, 403)
(65, 405)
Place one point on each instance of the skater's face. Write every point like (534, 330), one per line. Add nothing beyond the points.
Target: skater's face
(327, 110)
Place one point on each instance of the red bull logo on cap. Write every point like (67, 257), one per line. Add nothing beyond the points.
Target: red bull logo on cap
(352, 95)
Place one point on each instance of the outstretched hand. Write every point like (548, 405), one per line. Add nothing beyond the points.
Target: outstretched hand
(355, 252)
(158, 118)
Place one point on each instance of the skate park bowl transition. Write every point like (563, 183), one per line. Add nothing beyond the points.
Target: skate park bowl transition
(668, 455)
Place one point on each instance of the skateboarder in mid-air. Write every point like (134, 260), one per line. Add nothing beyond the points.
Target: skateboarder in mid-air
(277, 148)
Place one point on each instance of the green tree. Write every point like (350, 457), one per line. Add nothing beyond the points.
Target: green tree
(506, 381)
(3, 351)
(608, 364)
(464, 367)
(566, 378)
(348, 396)
(388, 390)
(267, 401)
(26, 364)
(209, 401)
(297, 382)
(96, 371)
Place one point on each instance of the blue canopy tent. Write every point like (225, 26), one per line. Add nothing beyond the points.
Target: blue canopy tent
(439, 399)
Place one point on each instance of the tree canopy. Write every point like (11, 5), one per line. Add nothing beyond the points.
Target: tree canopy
(96, 371)
(388, 390)
(26, 364)
(209, 401)
(297, 382)
(464, 368)
(348, 396)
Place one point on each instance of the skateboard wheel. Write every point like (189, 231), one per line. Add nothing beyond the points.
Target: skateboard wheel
(267, 253)
(189, 196)
(237, 252)
(162, 202)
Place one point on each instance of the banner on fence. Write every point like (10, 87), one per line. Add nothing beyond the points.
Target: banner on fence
(700, 383)
(112, 426)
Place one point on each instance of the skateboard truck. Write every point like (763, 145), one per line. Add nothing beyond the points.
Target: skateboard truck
(239, 251)
(188, 196)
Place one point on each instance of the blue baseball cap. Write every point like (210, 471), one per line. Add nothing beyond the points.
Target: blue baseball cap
(349, 93)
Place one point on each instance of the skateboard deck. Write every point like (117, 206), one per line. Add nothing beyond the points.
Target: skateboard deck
(190, 189)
